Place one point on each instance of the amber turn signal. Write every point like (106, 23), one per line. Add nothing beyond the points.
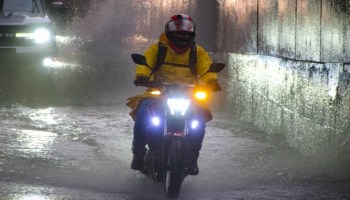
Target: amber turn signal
(201, 95)
(156, 92)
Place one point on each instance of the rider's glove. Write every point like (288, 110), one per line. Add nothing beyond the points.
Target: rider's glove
(141, 81)
(214, 85)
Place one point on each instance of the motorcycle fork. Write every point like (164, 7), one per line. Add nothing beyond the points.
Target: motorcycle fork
(152, 137)
(153, 158)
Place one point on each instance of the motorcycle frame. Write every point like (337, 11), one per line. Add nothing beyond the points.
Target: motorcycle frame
(175, 129)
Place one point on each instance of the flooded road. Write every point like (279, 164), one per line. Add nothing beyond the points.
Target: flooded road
(84, 153)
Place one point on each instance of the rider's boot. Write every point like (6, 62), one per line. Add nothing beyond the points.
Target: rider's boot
(137, 162)
(137, 159)
(192, 165)
(194, 146)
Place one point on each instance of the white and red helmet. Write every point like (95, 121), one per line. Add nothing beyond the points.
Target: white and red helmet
(180, 23)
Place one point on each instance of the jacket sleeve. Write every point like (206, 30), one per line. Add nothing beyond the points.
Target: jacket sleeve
(203, 64)
(151, 56)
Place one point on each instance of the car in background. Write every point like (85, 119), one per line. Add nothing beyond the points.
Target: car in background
(26, 31)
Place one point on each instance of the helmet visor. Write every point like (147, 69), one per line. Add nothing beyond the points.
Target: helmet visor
(181, 25)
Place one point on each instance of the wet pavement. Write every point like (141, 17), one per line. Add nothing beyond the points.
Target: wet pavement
(84, 153)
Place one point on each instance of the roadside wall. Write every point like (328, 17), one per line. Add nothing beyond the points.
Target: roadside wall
(312, 30)
(289, 69)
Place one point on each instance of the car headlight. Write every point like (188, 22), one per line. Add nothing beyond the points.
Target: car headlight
(40, 35)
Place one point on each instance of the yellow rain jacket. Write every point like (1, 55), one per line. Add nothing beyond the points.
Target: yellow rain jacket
(170, 73)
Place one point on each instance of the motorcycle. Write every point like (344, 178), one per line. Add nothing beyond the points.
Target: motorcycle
(180, 103)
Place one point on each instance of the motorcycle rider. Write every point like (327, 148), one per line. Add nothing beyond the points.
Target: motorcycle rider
(182, 61)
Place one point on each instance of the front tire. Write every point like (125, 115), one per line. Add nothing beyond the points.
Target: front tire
(173, 183)
(175, 169)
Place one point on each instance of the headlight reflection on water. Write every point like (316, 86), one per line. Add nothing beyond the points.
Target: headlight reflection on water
(53, 63)
(33, 197)
(64, 39)
(44, 116)
(33, 141)
(50, 62)
(37, 139)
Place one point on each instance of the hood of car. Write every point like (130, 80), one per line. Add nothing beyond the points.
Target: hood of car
(21, 19)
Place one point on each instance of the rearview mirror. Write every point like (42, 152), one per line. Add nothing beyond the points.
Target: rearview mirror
(139, 59)
(57, 8)
(216, 67)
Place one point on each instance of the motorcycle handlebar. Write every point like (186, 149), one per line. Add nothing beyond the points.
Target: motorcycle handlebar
(157, 84)
(153, 84)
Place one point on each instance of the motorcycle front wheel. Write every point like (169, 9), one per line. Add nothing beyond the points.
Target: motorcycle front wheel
(174, 173)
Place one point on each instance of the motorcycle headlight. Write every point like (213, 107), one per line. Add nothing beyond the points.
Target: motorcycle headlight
(194, 124)
(178, 105)
(155, 121)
